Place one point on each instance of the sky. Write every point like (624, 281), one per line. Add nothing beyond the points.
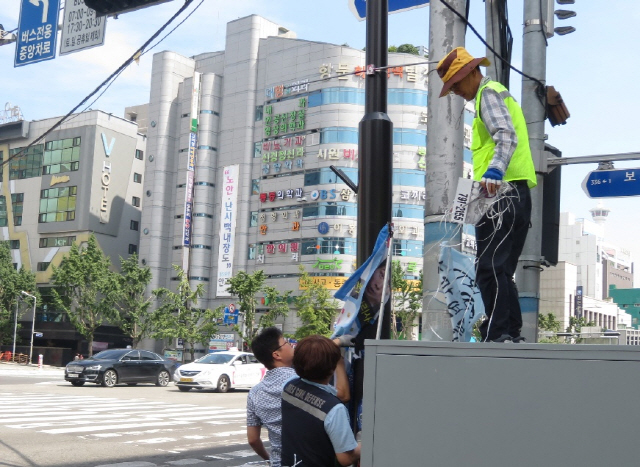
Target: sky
(594, 69)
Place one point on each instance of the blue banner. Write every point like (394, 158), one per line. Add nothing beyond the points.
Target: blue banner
(347, 322)
(37, 31)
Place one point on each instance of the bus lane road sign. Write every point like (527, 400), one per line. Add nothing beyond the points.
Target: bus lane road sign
(37, 31)
(81, 28)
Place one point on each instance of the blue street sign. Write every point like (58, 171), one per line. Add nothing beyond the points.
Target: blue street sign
(612, 183)
(359, 7)
(231, 314)
(37, 31)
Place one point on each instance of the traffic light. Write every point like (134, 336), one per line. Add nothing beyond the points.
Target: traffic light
(116, 7)
(561, 15)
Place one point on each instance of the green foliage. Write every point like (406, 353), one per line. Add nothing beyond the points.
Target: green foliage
(316, 308)
(86, 288)
(406, 304)
(12, 282)
(132, 302)
(177, 317)
(278, 306)
(575, 326)
(405, 48)
(246, 287)
(551, 324)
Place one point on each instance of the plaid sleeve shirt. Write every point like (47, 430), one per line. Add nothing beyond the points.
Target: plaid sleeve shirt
(496, 117)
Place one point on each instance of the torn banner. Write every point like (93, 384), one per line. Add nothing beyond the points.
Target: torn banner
(458, 284)
(347, 322)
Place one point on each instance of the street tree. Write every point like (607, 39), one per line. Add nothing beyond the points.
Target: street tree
(575, 326)
(246, 287)
(132, 300)
(12, 283)
(278, 304)
(85, 288)
(549, 325)
(177, 315)
(316, 306)
(406, 304)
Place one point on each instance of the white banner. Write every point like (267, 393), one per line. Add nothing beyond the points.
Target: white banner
(228, 211)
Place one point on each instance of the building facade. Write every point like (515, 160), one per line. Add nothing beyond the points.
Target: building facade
(242, 142)
(84, 177)
(589, 268)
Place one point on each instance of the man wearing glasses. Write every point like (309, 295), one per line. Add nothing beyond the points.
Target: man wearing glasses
(265, 399)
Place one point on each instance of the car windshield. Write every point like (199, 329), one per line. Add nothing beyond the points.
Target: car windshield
(216, 358)
(109, 355)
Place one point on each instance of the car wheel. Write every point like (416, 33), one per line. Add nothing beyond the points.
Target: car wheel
(77, 383)
(184, 388)
(110, 378)
(163, 379)
(223, 383)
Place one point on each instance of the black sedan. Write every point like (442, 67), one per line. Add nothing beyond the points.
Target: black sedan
(114, 366)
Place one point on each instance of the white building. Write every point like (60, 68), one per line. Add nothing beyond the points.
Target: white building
(587, 265)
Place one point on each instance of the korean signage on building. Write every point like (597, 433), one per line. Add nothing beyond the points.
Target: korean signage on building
(293, 119)
(191, 166)
(37, 31)
(227, 232)
(81, 28)
(281, 248)
(343, 71)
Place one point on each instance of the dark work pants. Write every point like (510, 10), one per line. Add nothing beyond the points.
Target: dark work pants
(500, 237)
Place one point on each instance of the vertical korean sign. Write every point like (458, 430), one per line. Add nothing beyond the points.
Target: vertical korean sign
(228, 210)
(191, 167)
(37, 31)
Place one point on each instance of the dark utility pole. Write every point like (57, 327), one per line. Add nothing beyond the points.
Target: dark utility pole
(375, 145)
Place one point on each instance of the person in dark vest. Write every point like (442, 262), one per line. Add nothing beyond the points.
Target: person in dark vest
(315, 423)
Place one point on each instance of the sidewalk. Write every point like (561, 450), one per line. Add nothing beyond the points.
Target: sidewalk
(11, 368)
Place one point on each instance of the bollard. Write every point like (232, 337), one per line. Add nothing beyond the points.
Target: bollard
(40, 361)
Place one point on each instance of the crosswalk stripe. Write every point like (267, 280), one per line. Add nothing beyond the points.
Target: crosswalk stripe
(108, 427)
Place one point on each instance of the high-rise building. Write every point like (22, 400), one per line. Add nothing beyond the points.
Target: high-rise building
(84, 177)
(240, 147)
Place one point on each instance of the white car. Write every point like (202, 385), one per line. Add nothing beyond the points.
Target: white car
(220, 370)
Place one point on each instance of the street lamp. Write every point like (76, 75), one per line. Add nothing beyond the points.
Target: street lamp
(33, 324)
(15, 329)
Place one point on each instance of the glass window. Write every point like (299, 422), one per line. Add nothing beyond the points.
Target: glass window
(409, 137)
(137, 178)
(139, 154)
(133, 249)
(409, 177)
(134, 225)
(135, 201)
(146, 355)
(410, 211)
(254, 219)
(339, 135)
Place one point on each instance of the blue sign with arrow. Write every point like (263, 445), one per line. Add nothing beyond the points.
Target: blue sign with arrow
(37, 31)
(359, 7)
(612, 183)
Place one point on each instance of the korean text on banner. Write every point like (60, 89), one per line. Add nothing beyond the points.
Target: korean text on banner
(347, 322)
(228, 210)
(458, 284)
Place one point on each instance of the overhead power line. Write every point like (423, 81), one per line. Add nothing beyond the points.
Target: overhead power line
(136, 55)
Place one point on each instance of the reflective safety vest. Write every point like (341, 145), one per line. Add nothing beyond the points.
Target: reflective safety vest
(482, 145)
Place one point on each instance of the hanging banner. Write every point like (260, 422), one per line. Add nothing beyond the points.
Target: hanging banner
(367, 299)
(458, 284)
(227, 233)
